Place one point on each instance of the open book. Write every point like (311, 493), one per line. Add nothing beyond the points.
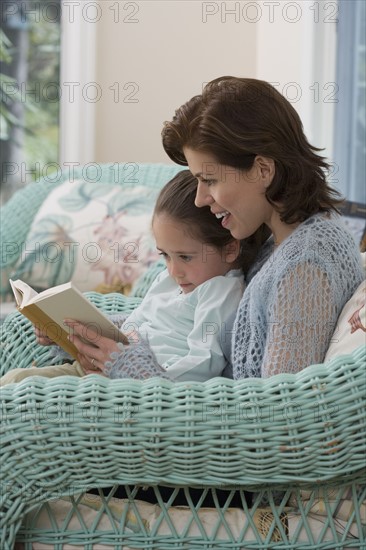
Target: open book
(48, 309)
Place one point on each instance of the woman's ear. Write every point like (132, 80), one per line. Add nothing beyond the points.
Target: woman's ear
(266, 169)
(232, 251)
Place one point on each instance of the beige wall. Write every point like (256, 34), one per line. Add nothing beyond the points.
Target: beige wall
(148, 57)
(168, 54)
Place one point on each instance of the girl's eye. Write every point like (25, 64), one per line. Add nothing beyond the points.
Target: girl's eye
(186, 258)
(164, 254)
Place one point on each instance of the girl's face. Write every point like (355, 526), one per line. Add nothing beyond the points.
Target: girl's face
(189, 261)
(236, 196)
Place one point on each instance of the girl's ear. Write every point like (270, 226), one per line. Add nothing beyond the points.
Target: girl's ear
(266, 169)
(232, 251)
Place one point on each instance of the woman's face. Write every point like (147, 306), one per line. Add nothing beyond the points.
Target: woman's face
(236, 196)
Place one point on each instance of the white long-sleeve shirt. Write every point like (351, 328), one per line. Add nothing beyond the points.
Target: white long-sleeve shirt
(186, 332)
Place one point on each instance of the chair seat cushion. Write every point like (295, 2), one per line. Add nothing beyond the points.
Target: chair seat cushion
(134, 521)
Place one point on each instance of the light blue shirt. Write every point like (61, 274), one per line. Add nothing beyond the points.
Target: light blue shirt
(187, 332)
(295, 293)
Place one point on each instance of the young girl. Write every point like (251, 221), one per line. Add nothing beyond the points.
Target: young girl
(186, 316)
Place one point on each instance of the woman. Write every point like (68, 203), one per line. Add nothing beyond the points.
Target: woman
(244, 142)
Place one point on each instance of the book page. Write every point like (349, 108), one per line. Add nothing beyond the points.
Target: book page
(70, 303)
(49, 292)
(23, 293)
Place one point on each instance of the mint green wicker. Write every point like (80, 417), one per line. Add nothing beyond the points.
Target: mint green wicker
(24, 205)
(274, 437)
(18, 348)
(144, 282)
(65, 436)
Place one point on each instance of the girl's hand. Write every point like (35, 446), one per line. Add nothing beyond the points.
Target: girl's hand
(42, 338)
(94, 350)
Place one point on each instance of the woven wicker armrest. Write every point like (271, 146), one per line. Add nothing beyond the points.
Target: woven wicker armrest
(18, 344)
(65, 436)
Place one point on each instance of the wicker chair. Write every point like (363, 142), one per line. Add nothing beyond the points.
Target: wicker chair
(297, 442)
(302, 435)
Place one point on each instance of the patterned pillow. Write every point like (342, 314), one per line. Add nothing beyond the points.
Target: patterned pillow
(98, 236)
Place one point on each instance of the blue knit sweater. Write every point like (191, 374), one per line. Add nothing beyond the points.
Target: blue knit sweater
(289, 309)
(295, 294)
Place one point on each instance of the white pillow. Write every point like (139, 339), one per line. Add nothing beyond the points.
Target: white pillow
(98, 236)
(344, 341)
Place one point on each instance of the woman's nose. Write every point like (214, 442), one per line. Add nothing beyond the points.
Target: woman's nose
(203, 196)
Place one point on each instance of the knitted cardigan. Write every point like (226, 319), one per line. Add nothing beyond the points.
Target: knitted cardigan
(289, 310)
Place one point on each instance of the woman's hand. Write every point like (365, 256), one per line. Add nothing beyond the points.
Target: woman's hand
(94, 349)
(42, 338)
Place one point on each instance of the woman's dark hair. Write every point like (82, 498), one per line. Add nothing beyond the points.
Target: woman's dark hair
(176, 199)
(236, 119)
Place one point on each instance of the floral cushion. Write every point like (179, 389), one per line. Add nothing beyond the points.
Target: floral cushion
(98, 236)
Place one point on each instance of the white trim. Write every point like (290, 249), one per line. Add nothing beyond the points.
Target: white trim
(349, 145)
(324, 71)
(78, 70)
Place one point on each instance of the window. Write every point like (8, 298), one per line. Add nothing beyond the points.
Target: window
(30, 91)
(350, 116)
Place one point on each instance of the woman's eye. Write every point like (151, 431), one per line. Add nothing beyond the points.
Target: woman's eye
(208, 182)
(164, 254)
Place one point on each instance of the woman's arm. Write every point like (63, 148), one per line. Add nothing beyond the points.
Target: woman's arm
(301, 320)
(101, 355)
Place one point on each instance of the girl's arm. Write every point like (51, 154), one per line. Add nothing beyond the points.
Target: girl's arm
(101, 355)
(135, 361)
(203, 358)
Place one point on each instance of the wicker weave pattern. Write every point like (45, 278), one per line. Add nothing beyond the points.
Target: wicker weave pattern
(143, 284)
(18, 345)
(126, 525)
(304, 429)
(286, 433)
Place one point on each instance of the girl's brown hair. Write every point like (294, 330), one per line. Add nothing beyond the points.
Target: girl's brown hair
(176, 199)
(236, 119)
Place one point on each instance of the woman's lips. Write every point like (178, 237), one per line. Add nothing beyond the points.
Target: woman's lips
(224, 216)
(225, 220)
